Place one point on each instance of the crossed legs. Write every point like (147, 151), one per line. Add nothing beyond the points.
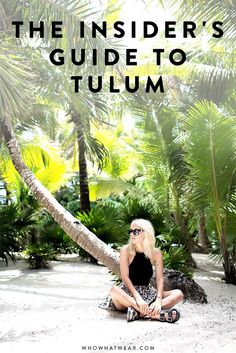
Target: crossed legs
(123, 300)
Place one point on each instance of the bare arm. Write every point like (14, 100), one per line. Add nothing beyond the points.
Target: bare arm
(155, 307)
(159, 273)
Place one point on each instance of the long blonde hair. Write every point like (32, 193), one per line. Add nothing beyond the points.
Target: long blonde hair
(149, 237)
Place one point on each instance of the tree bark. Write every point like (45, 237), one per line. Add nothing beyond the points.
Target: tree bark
(229, 267)
(181, 223)
(77, 231)
(203, 238)
(83, 172)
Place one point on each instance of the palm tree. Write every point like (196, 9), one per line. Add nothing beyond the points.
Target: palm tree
(88, 148)
(211, 71)
(211, 155)
(80, 234)
(13, 94)
(54, 86)
(165, 167)
(86, 239)
(123, 163)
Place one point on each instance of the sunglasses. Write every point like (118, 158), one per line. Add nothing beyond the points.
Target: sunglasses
(135, 232)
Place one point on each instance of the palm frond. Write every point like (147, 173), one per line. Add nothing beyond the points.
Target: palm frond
(48, 167)
(70, 13)
(211, 153)
(211, 10)
(16, 82)
(102, 188)
(213, 74)
(96, 151)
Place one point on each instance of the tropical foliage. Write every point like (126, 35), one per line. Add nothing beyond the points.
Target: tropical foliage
(15, 225)
(168, 157)
(39, 256)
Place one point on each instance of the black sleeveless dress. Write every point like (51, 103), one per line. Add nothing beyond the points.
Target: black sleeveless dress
(140, 274)
(140, 270)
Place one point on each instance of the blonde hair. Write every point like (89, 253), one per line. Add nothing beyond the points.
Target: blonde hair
(149, 237)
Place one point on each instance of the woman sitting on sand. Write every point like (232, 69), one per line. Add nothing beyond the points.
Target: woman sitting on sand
(135, 294)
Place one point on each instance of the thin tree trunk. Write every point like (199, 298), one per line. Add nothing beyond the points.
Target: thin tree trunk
(229, 267)
(181, 223)
(79, 233)
(83, 173)
(203, 238)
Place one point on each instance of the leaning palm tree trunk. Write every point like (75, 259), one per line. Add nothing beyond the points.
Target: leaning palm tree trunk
(79, 233)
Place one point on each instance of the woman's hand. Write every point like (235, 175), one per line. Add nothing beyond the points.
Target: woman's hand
(144, 308)
(155, 307)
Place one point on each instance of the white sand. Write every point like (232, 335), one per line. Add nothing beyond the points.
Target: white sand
(56, 311)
